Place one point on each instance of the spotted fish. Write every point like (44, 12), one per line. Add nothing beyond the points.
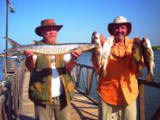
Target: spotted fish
(97, 51)
(101, 53)
(148, 58)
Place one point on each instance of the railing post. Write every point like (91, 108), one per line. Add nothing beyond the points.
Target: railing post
(13, 66)
(141, 102)
(88, 81)
(78, 76)
(9, 101)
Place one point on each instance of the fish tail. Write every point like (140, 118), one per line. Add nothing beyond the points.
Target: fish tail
(10, 51)
(104, 69)
(105, 62)
(12, 42)
(150, 77)
(14, 48)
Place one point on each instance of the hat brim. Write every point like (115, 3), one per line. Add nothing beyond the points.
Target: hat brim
(40, 28)
(111, 25)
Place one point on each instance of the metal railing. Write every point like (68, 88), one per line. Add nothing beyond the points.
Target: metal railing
(10, 91)
(86, 81)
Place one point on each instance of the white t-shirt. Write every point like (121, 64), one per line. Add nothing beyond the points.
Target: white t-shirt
(56, 84)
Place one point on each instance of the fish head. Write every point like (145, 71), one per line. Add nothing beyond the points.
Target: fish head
(137, 45)
(95, 38)
(146, 43)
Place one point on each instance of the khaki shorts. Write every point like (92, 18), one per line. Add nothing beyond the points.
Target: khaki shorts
(110, 112)
(52, 111)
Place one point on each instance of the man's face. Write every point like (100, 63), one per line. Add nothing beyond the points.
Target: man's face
(49, 35)
(120, 31)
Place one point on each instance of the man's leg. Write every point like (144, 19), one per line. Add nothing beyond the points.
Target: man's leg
(61, 110)
(63, 114)
(130, 112)
(43, 112)
(105, 111)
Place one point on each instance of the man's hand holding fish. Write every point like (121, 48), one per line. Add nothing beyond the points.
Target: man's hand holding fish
(74, 55)
(30, 61)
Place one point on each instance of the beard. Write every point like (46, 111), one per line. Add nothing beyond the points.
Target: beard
(120, 36)
(50, 39)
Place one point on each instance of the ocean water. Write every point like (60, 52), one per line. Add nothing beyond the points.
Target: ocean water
(9, 65)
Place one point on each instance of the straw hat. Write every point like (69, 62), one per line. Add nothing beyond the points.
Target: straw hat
(119, 20)
(47, 23)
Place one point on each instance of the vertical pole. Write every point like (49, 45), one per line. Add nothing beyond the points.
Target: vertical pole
(88, 81)
(141, 102)
(5, 63)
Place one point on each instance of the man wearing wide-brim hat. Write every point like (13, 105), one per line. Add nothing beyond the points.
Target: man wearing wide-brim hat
(118, 89)
(51, 87)
(47, 24)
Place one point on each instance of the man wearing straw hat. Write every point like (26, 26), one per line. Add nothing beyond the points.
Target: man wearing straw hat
(51, 87)
(118, 89)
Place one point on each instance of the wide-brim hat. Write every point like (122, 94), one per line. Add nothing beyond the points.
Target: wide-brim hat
(119, 20)
(47, 23)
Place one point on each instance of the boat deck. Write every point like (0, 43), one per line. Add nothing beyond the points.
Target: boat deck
(81, 108)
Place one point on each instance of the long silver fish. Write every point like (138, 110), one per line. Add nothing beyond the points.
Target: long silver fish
(50, 49)
(97, 51)
(148, 58)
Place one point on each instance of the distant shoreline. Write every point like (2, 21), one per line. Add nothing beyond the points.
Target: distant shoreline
(156, 47)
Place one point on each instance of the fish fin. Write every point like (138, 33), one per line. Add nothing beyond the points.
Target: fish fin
(11, 51)
(84, 48)
(150, 77)
(12, 42)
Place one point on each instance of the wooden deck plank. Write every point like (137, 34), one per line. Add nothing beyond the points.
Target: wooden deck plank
(81, 108)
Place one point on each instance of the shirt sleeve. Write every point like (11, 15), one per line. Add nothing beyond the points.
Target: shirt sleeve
(67, 57)
(34, 57)
(30, 61)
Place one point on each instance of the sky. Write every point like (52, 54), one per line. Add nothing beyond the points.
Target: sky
(79, 19)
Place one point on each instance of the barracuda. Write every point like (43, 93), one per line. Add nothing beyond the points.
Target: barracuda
(49, 49)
